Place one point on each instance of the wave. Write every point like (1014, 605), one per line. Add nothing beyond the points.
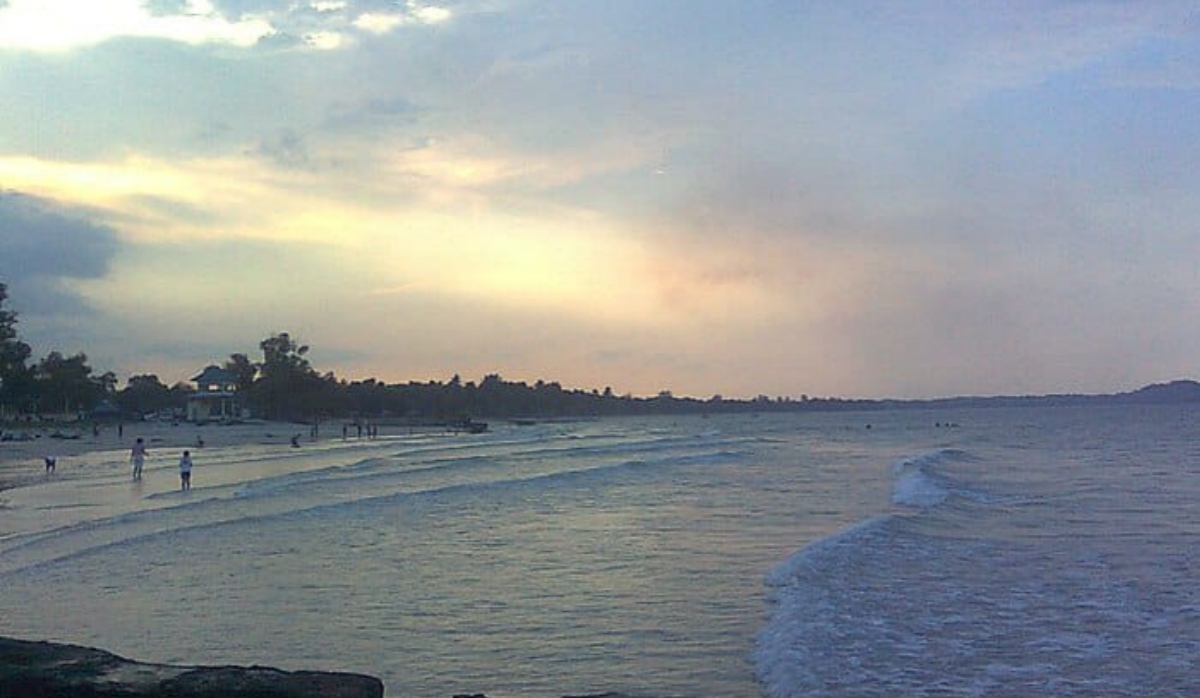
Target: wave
(806, 610)
(920, 484)
(803, 610)
(789, 570)
(371, 482)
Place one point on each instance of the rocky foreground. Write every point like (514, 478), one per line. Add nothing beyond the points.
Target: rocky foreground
(50, 670)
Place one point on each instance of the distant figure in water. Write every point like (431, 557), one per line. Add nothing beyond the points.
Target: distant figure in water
(199, 441)
(185, 471)
(51, 462)
(137, 456)
(296, 441)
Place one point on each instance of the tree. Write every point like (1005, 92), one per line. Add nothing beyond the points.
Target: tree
(287, 386)
(283, 357)
(66, 383)
(16, 378)
(144, 394)
(245, 370)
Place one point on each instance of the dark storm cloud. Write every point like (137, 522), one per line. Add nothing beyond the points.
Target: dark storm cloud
(41, 245)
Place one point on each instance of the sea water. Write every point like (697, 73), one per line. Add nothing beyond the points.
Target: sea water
(908, 553)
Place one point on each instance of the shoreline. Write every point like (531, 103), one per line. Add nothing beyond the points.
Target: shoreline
(22, 459)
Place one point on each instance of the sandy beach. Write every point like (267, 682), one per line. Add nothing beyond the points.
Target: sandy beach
(23, 458)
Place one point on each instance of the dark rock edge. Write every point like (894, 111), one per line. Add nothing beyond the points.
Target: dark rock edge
(39, 669)
(30, 669)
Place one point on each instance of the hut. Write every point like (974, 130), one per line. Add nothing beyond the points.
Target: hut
(216, 398)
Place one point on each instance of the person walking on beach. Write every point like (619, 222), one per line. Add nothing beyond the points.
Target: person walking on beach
(138, 457)
(185, 471)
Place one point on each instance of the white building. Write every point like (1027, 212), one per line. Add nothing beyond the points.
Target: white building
(216, 398)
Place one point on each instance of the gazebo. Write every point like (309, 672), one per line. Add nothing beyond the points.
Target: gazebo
(216, 398)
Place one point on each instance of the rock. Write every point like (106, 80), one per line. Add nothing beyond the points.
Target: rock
(52, 670)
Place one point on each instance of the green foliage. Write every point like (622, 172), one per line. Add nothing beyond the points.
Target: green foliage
(16, 378)
(145, 394)
(287, 387)
(245, 370)
(65, 384)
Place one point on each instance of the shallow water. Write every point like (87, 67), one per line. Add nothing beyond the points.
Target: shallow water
(1023, 552)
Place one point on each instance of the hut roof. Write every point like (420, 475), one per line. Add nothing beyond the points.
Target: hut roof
(214, 375)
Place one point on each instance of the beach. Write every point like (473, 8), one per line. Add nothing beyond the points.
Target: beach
(22, 460)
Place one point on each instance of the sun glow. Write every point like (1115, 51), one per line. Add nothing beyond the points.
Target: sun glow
(558, 259)
(217, 198)
(456, 236)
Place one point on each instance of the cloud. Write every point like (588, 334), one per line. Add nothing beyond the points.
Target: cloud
(375, 112)
(42, 246)
(287, 149)
(66, 24)
(374, 23)
(40, 238)
(63, 25)
(865, 197)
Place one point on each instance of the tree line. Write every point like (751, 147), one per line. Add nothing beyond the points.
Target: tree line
(283, 385)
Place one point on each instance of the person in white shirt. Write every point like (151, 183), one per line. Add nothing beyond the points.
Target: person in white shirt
(185, 471)
(137, 456)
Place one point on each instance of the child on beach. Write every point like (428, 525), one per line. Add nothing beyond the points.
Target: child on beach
(138, 457)
(185, 471)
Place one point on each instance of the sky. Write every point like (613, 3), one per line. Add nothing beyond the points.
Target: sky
(863, 199)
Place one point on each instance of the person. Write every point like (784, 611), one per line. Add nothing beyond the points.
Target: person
(185, 471)
(138, 457)
(51, 462)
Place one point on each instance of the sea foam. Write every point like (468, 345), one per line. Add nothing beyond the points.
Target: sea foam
(917, 485)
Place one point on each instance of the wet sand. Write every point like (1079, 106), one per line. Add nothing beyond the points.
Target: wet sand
(23, 459)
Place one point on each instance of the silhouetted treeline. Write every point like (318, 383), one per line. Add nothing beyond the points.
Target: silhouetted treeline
(284, 385)
(56, 383)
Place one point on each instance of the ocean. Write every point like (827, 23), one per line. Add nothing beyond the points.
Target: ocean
(973, 552)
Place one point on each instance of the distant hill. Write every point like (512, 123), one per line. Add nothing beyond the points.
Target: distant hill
(1175, 392)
